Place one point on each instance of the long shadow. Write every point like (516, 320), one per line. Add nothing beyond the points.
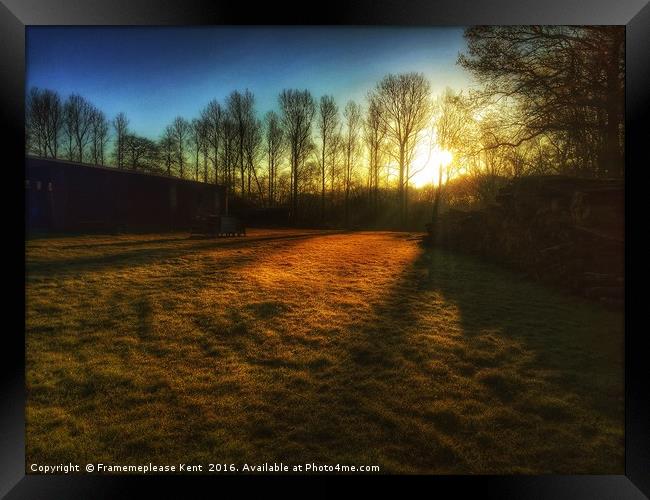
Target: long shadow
(383, 354)
(571, 345)
(149, 255)
(382, 382)
(542, 318)
(124, 243)
(340, 409)
(534, 351)
(193, 278)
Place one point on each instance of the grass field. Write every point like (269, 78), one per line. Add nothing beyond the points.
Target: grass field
(312, 346)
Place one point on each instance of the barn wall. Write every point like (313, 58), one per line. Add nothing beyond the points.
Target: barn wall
(69, 197)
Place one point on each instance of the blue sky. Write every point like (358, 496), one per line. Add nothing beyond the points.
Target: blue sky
(156, 73)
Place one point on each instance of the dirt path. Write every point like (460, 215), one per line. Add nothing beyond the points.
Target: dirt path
(306, 346)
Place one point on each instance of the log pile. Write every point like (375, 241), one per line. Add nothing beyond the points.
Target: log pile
(562, 230)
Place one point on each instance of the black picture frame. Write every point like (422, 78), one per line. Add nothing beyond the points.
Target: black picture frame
(15, 15)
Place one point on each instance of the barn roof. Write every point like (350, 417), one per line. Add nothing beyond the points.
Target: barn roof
(113, 169)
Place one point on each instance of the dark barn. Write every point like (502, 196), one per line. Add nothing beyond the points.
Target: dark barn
(64, 196)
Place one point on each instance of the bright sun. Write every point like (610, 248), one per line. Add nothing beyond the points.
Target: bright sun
(427, 166)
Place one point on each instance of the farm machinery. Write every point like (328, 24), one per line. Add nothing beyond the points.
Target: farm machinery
(218, 225)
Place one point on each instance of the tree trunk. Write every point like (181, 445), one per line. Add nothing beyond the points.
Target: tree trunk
(294, 200)
(400, 190)
(196, 173)
(322, 196)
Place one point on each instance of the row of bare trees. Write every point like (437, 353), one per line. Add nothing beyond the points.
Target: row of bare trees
(74, 125)
(550, 100)
(271, 161)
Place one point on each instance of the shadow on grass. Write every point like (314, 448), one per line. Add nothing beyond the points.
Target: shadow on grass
(580, 339)
(458, 367)
(144, 313)
(464, 367)
(123, 243)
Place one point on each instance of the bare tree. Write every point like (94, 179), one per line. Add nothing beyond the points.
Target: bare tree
(181, 132)
(34, 127)
(205, 146)
(44, 120)
(337, 162)
(452, 122)
(79, 115)
(121, 127)
(327, 124)
(567, 83)
(68, 134)
(374, 136)
(213, 116)
(140, 153)
(352, 114)
(168, 148)
(241, 111)
(198, 140)
(229, 156)
(298, 109)
(405, 105)
(99, 136)
(252, 149)
(274, 147)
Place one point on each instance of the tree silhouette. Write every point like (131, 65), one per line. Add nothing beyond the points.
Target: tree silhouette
(99, 130)
(121, 127)
(78, 119)
(230, 151)
(198, 140)
(181, 134)
(298, 109)
(452, 121)
(252, 148)
(168, 148)
(140, 153)
(374, 136)
(405, 103)
(328, 121)
(240, 110)
(44, 121)
(566, 81)
(352, 114)
(275, 146)
(213, 118)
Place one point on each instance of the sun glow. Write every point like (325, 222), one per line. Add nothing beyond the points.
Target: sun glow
(427, 165)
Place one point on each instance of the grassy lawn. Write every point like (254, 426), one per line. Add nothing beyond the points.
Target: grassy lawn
(312, 346)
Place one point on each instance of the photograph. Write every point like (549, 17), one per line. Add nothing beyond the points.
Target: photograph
(305, 249)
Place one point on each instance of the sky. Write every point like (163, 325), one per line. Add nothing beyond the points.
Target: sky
(154, 74)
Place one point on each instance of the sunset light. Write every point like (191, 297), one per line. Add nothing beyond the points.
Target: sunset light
(427, 165)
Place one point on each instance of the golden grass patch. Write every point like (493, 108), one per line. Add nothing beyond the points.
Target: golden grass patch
(313, 346)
